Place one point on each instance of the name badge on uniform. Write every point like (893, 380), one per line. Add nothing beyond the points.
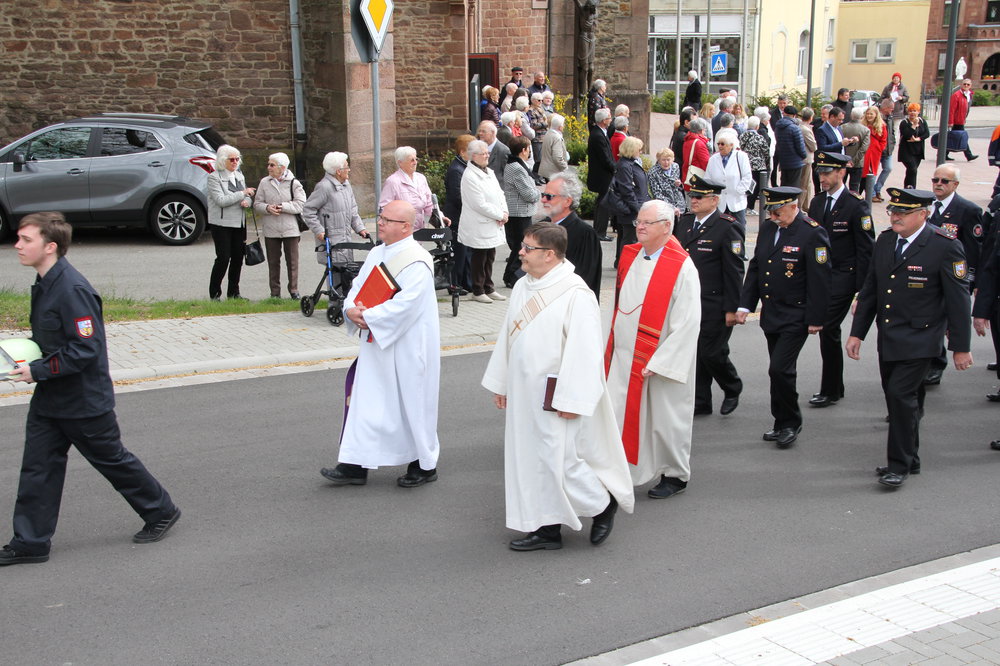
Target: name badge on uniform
(85, 327)
(821, 255)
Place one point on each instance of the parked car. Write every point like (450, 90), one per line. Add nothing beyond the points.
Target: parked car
(864, 98)
(113, 170)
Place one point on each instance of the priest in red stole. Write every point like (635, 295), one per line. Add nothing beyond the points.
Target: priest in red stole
(652, 351)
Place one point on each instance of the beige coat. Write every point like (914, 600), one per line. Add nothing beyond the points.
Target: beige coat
(292, 197)
(554, 158)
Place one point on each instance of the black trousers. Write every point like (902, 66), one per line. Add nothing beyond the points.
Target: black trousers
(903, 384)
(514, 231)
(790, 177)
(625, 227)
(910, 178)
(601, 215)
(854, 178)
(832, 380)
(995, 333)
(43, 471)
(228, 259)
(713, 363)
(784, 349)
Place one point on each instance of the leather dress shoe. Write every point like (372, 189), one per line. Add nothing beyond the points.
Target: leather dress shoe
(416, 477)
(820, 400)
(10, 556)
(882, 471)
(892, 480)
(992, 367)
(933, 377)
(972, 157)
(787, 436)
(605, 239)
(345, 475)
(993, 397)
(770, 435)
(667, 487)
(729, 405)
(995, 445)
(603, 522)
(535, 541)
(702, 411)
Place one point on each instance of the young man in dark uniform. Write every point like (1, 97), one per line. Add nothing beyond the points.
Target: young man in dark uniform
(848, 222)
(916, 289)
(790, 275)
(73, 402)
(715, 243)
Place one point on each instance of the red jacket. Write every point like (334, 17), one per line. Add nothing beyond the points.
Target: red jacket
(616, 143)
(873, 157)
(700, 160)
(958, 110)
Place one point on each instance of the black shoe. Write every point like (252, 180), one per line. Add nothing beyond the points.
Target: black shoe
(820, 400)
(296, 296)
(729, 405)
(603, 522)
(702, 411)
(770, 435)
(667, 487)
(215, 298)
(605, 239)
(933, 377)
(417, 477)
(995, 445)
(236, 297)
(535, 541)
(972, 157)
(786, 437)
(882, 471)
(992, 367)
(344, 474)
(10, 556)
(993, 397)
(156, 531)
(950, 158)
(892, 480)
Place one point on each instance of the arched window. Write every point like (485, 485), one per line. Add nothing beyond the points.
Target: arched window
(803, 54)
(991, 68)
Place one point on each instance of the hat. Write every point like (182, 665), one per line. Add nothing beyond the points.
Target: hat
(827, 162)
(791, 111)
(905, 201)
(776, 197)
(704, 188)
(516, 69)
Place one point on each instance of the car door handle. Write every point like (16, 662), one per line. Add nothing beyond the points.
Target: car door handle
(75, 172)
(156, 164)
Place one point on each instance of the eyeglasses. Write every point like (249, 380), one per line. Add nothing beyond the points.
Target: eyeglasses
(529, 248)
(271, 164)
(550, 197)
(383, 218)
(943, 181)
(233, 159)
(642, 223)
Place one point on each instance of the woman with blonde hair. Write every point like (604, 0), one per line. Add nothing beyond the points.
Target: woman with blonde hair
(632, 186)
(876, 146)
(491, 106)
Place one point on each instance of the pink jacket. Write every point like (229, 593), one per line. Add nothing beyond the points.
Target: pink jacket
(416, 192)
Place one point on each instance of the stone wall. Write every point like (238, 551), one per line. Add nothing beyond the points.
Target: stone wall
(622, 60)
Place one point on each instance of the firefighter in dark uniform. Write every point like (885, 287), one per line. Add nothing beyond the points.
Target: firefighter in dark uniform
(715, 242)
(73, 402)
(987, 306)
(789, 275)
(916, 290)
(848, 222)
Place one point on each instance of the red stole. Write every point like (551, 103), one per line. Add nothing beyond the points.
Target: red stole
(651, 319)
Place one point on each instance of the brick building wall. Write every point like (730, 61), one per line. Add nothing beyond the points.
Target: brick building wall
(976, 41)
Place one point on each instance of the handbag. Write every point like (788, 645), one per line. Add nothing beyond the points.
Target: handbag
(692, 169)
(253, 252)
(614, 203)
(298, 216)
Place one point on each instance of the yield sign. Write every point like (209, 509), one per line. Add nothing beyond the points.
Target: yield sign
(376, 15)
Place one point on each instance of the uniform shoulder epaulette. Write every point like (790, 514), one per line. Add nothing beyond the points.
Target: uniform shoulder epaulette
(727, 217)
(857, 195)
(687, 216)
(811, 222)
(885, 231)
(950, 235)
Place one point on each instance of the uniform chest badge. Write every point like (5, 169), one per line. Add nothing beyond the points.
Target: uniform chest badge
(85, 327)
(821, 255)
(977, 231)
(736, 247)
(790, 249)
(960, 269)
(866, 222)
(952, 229)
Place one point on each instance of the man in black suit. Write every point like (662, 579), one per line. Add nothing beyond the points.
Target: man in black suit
(828, 136)
(916, 289)
(560, 197)
(962, 219)
(848, 222)
(692, 94)
(498, 151)
(790, 274)
(715, 243)
(986, 309)
(600, 168)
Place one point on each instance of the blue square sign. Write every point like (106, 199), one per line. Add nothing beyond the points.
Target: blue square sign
(720, 63)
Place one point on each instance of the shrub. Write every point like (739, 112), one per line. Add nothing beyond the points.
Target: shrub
(983, 98)
(588, 202)
(435, 171)
(577, 151)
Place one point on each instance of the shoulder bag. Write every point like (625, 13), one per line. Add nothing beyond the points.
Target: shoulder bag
(253, 253)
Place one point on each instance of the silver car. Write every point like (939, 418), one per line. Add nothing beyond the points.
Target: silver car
(113, 170)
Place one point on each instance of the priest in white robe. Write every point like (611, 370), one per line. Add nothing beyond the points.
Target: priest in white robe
(564, 461)
(393, 403)
(653, 350)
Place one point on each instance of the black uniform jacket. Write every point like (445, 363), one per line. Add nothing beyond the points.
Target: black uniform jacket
(852, 239)
(915, 300)
(717, 250)
(987, 287)
(963, 219)
(67, 323)
(790, 278)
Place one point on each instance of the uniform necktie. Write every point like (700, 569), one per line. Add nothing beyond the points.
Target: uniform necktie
(937, 210)
(829, 207)
(900, 244)
(777, 232)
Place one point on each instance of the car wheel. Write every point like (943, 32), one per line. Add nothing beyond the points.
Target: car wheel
(177, 219)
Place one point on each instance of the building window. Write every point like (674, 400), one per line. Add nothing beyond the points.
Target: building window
(803, 54)
(993, 11)
(830, 34)
(859, 51)
(941, 59)
(885, 50)
(946, 17)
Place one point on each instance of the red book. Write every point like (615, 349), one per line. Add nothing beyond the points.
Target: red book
(377, 289)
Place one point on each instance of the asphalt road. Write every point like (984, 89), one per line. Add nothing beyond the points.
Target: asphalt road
(270, 564)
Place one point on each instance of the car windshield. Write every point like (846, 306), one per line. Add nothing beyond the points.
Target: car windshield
(207, 139)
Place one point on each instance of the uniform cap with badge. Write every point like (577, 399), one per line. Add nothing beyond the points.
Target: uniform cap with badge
(826, 162)
(776, 197)
(705, 188)
(908, 200)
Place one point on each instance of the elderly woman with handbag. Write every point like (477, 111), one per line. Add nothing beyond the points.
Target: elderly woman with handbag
(228, 195)
(280, 200)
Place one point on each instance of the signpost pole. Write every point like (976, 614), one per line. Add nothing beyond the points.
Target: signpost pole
(376, 136)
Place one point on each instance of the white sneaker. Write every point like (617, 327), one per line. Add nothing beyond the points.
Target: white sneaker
(481, 298)
(496, 296)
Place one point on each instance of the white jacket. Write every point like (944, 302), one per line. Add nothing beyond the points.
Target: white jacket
(483, 206)
(737, 176)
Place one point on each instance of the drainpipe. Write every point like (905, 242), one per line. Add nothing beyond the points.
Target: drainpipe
(300, 106)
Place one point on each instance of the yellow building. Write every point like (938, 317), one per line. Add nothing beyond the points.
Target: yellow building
(783, 47)
(879, 37)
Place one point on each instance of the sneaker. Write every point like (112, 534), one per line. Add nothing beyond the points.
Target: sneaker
(156, 531)
(481, 298)
(496, 296)
(10, 556)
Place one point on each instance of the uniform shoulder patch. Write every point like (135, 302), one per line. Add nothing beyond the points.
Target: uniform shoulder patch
(737, 247)
(822, 256)
(857, 195)
(85, 327)
(866, 222)
(961, 269)
(947, 233)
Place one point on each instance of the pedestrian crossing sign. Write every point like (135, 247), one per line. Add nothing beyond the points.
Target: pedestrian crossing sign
(720, 63)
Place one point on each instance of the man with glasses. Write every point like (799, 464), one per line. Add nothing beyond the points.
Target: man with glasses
(560, 198)
(715, 243)
(790, 275)
(393, 383)
(563, 456)
(958, 112)
(915, 291)
(848, 222)
(652, 352)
